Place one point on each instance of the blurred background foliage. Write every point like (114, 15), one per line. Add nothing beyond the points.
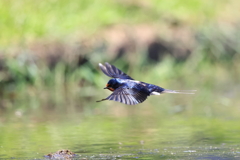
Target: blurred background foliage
(49, 55)
(50, 50)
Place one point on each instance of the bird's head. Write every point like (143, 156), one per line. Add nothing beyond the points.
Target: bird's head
(112, 84)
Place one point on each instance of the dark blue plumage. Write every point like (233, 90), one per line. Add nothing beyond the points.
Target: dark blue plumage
(127, 90)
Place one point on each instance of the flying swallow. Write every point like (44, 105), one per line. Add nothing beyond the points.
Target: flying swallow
(129, 91)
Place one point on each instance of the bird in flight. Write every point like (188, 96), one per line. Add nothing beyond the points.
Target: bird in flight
(129, 91)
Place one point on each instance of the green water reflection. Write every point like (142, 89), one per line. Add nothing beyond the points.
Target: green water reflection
(120, 131)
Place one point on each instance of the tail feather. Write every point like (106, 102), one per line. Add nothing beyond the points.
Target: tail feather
(179, 91)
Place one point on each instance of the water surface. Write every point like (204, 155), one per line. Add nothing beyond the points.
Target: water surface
(120, 132)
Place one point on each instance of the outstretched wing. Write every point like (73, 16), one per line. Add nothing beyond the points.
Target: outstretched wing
(129, 96)
(113, 71)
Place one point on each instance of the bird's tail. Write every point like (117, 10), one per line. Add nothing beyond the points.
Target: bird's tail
(179, 91)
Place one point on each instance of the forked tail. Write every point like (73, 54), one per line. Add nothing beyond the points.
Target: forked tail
(179, 91)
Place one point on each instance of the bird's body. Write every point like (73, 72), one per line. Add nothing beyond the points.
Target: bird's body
(133, 84)
(127, 90)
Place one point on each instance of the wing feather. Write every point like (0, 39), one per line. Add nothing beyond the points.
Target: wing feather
(113, 71)
(130, 96)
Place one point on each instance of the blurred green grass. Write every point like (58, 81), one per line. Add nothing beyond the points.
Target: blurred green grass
(33, 84)
(24, 21)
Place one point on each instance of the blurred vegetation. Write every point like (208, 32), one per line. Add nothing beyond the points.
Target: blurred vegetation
(50, 50)
(27, 20)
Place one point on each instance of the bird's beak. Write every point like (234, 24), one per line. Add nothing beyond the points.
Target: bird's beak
(107, 86)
